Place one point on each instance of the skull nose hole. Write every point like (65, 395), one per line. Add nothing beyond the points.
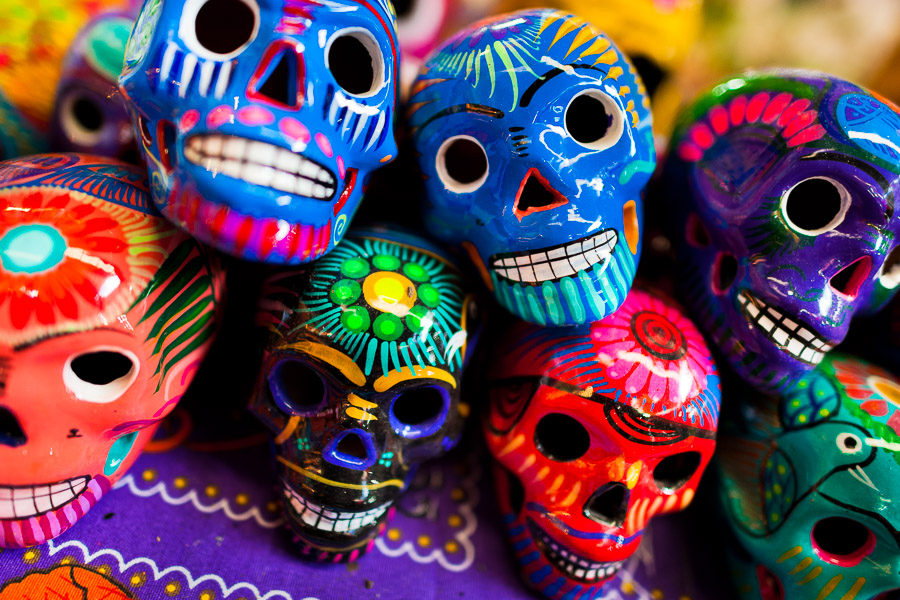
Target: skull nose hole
(609, 505)
(277, 78)
(353, 449)
(842, 541)
(724, 272)
(849, 279)
(165, 137)
(11, 433)
(536, 194)
(696, 233)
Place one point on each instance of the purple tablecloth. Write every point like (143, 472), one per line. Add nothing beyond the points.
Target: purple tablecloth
(198, 519)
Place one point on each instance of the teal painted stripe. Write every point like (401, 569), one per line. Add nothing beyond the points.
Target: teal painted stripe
(535, 307)
(619, 280)
(570, 293)
(553, 303)
(395, 357)
(612, 299)
(520, 307)
(414, 349)
(627, 261)
(384, 359)
(370, 355)
(356, 346)
(591, 294)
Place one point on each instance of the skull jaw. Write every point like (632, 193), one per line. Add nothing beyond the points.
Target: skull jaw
(36, 529)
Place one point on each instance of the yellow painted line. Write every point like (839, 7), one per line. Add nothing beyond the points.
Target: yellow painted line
(541, 474)
(573, 495)
(800, 566)
(853, 591)
(829, 587)
(790, 553)
(384, 383)
(335, 358)
(288, 431)
(557, 483)
(350, 486)
(527, 463)
(517, 441)
(810, 576)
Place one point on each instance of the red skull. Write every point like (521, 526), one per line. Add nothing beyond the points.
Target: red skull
(595, 430)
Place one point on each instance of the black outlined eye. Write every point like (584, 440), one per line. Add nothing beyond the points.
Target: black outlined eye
(594, 120)
(849, 443)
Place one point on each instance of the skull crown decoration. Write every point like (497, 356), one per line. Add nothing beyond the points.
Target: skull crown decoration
(361, 382)
(782, 187)
(534, 136)
(261, 120)
(106, 312)
(594, 430)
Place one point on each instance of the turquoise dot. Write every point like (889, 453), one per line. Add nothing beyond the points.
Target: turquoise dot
(32, 249)
(386, 262)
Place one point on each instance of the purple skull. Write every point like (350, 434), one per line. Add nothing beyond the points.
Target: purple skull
(785, 184)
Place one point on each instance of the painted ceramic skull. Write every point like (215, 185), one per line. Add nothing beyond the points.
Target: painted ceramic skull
(88, 112)
(361, 383)
(809, 483)
(783, 183)
(536, 143)
(595, 430)
(260, 120)
(106, 311)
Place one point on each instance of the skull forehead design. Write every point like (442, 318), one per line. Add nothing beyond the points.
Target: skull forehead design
(536, 142)
(361, 383)
(784, 183)
(105, 312)
(804, 479)
(261, 119)
(595, 430)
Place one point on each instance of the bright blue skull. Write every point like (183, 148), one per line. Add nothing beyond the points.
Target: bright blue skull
(536, 142)
(262, 119)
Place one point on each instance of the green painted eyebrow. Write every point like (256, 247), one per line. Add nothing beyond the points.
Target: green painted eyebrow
(479, 109)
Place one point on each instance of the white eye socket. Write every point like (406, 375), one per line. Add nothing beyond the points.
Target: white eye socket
(889, 276)
(594, 120)
(462, 164)
(849, 443)
(815, 206)
(354, 58)
(101, 375)
(219, 29)
(81, 119)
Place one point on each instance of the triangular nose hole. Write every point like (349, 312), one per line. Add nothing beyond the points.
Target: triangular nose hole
(352, 449)
(849, 279)
(11, 433)
(609, 505)
(536, 194)
(351, 445)
(278, 79)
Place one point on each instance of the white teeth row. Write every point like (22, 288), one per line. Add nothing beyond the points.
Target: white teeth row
(793, 338)
(559, 262)
(575, 565)
(28, 501)
(261, 164)
(330, 520)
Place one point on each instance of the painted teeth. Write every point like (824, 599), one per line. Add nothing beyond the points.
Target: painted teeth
(261, 164)
(560, 261)
(321, 518)
(786, 333)
(27, 501)
(567, 562)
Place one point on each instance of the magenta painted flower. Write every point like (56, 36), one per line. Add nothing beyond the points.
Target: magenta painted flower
(652, 351)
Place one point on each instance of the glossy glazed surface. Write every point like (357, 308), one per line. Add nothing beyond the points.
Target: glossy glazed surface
(808, 484)
(783, 186)
(259, 136)
(106, 312)
(552, 223)
(361, 383)
(595, 430)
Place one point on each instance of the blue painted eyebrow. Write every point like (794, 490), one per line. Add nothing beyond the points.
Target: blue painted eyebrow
(479, 109)
(534, 87)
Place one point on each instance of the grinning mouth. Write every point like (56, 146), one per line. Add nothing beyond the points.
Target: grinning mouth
(786, 333)
(576, 567)
(551, 264)
(323, 519)
(22, 502)
(261, 164)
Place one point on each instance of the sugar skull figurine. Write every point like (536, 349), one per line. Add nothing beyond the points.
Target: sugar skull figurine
(106, 311)
(782, 186)
(594, 430)
(261, 120)
(808, 482)
(88, 113)
(361, 382)
(535, 140)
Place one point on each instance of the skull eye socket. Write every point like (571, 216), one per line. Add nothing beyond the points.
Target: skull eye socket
(354, 58)
(296, 388)
(594, 120)
(815, 205)
(419, 412)
(81, 119)
(890, 270)
(101, 375)
(219, 29)
(674, 471)
(842, 541)
(561, 438)
(849, 443)
(462, 164)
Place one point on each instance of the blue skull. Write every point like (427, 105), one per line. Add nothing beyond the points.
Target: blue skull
(535, 139)
(260, 120)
